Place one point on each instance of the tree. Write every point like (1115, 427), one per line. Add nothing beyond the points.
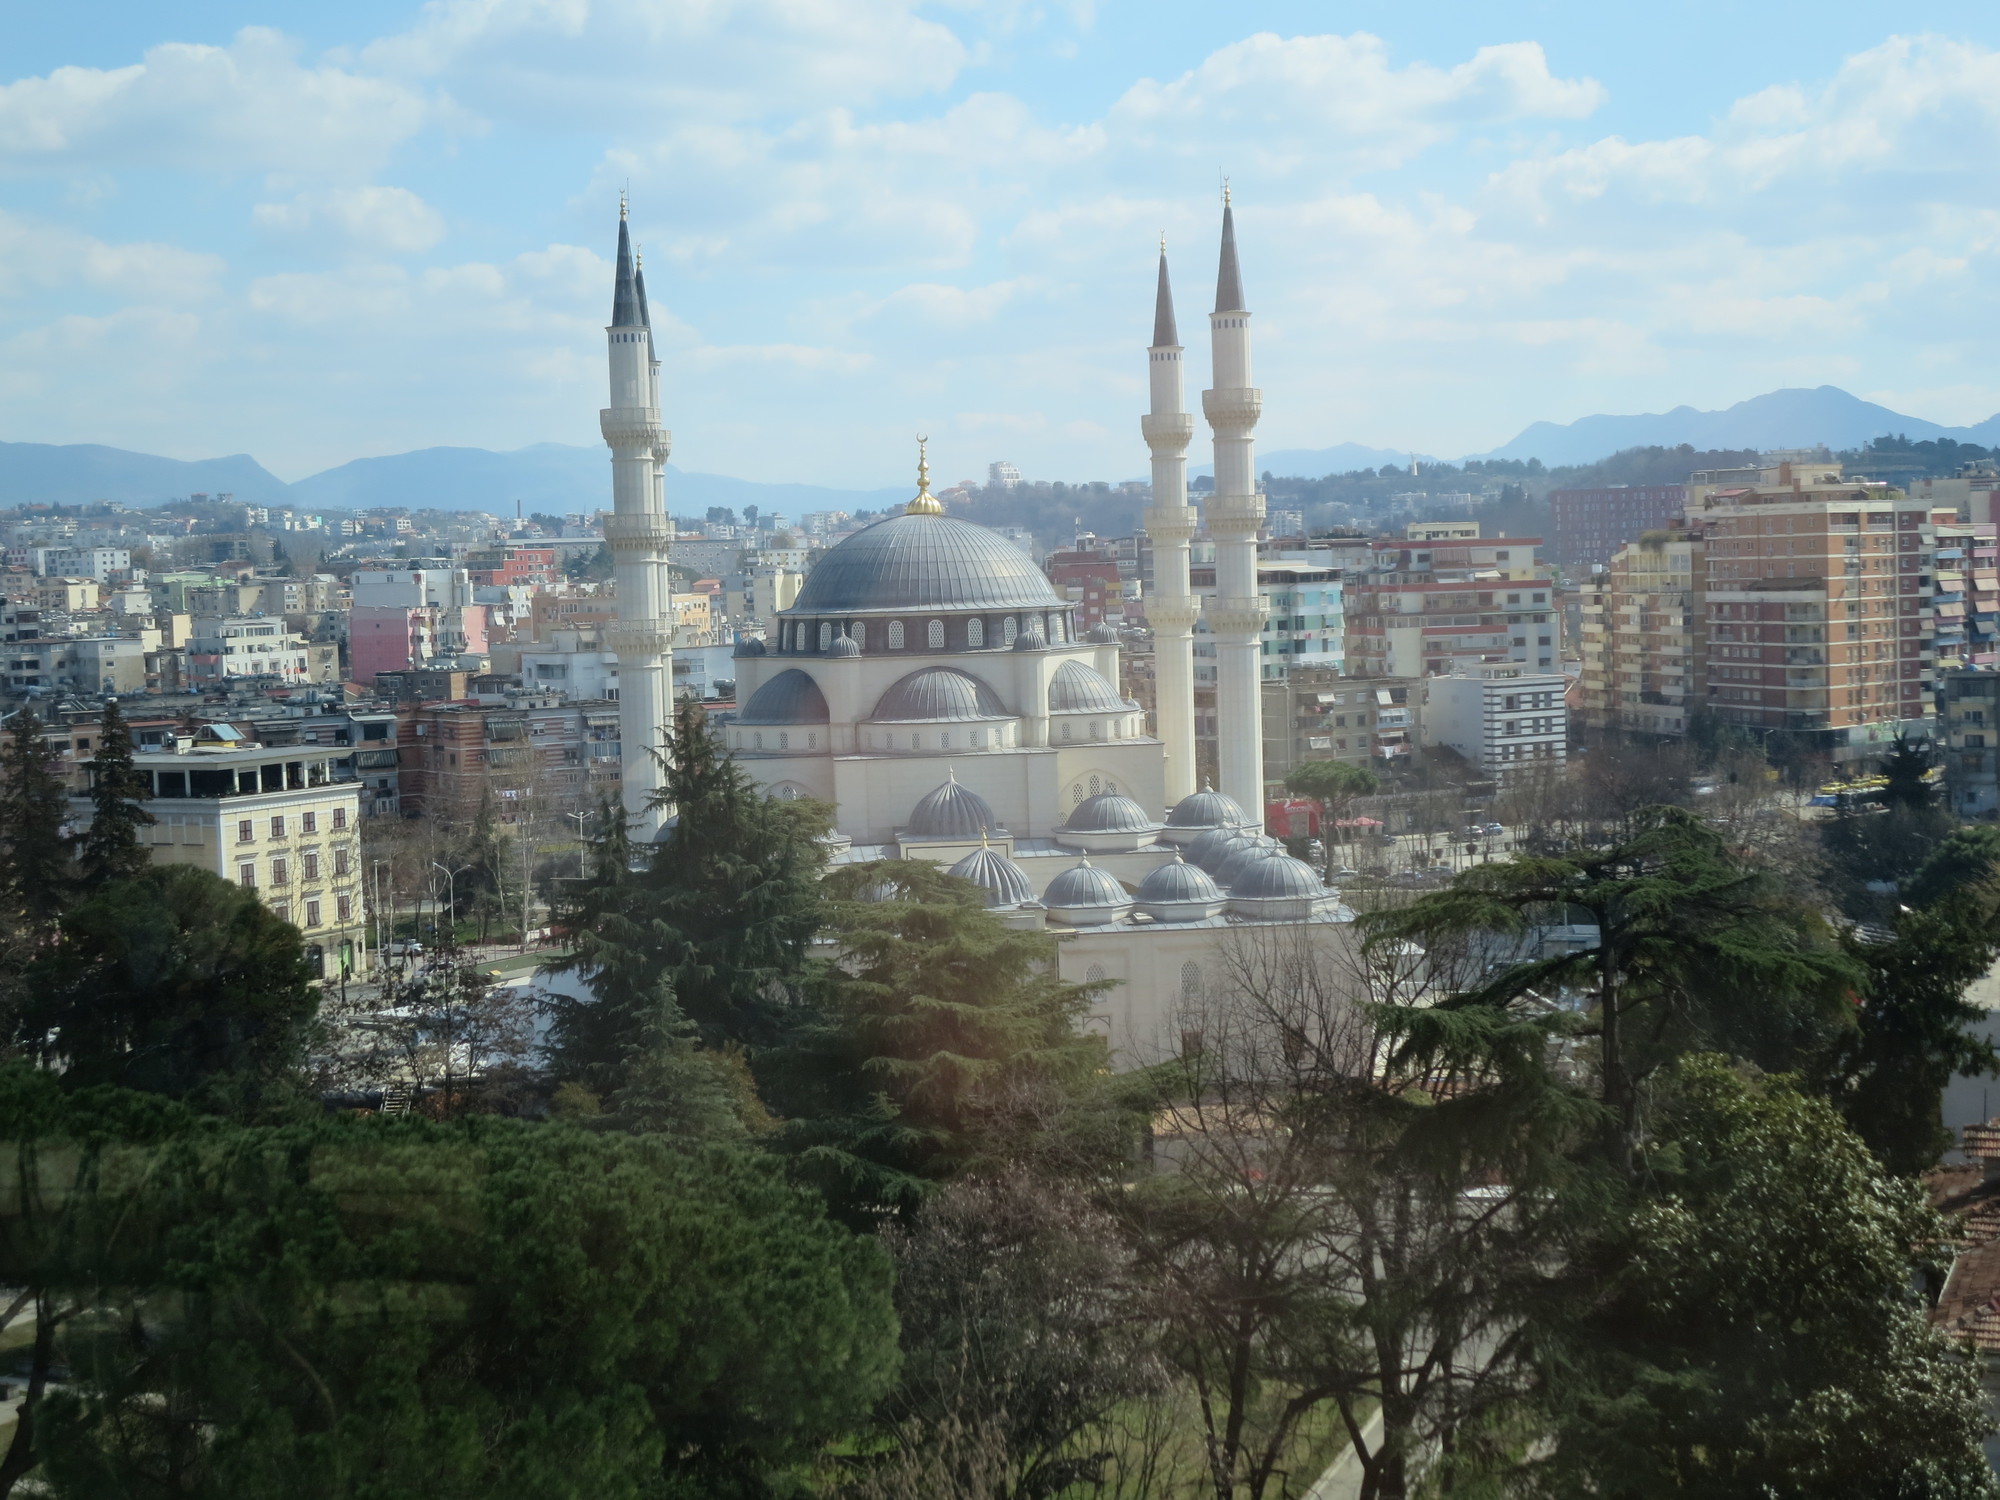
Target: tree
(109, 848)
(486, 1308)
(931, 1044)
(37, 869)
(1694, 950)
(1965, 860)
(174, 981)
(1748, 1324)
(718, 916)
(1333, 784)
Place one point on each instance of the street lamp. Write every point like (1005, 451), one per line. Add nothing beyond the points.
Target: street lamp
(451, 884)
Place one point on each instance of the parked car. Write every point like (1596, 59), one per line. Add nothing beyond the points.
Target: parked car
(1492, 830)
(403, 950)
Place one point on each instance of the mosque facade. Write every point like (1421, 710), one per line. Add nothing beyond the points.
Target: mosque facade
(931, 686)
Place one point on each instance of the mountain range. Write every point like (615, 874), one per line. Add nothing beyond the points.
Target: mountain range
(559, 478)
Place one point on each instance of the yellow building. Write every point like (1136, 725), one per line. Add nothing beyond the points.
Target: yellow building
(1645, 636)
(271, 819)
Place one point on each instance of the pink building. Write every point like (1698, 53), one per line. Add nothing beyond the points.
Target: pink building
(391, 638)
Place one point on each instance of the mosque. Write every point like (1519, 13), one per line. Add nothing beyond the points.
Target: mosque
(929, 684)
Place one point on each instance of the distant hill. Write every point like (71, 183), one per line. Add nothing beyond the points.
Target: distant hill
(1316, 463)
(78, 473)
(1778, 419)
(552, 477)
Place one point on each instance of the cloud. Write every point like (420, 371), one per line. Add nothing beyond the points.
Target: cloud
(39, 258)
(252, 105)
(392, 220)
(617, 63)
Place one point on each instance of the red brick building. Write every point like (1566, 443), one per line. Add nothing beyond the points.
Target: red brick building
(1590, 525)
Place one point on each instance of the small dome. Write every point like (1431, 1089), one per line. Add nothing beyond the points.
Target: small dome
(997, 875)
(754, 646)
(1083, 884)
(1213, 849)
(1177, 880)
(789, 698)
(952, 812)
(1207, 808)
(844, 645)
(1108, 812)
(1030, 640)
(938, 694)
(1241, 857)
(1103, 633)
(1278, 877)
(881, 890)
(1076, 689)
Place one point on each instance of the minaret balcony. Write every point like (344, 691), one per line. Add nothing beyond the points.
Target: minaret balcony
(1235, 617)
(1233, 408)
(631, 427)
(639, 639)
(1171, 430)
(641, 533)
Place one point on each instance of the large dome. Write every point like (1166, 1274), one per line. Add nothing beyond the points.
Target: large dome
(952, 812)
(924, 562)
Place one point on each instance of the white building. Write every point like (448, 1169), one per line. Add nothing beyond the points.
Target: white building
(1503, 719)
(246, 646)
(102, 564)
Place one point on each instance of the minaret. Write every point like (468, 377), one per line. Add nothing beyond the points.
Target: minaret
(1172, 608)
(1235, 515)
(638, 534)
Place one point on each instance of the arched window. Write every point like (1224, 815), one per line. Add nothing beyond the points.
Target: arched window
(1057, 632)
(916, 742)
(1008, 630)
(895, 635)
(758, 739)
(934, 635)
(812, 742)
(979, 739)
(1097, 729)
(1190, 980)
(859, 630)
(1076, 793)
(825, 635)
(975, 633)
(1095, 786)
(784, 741)
(1065, 734)
(1094, 974)
(944, 740)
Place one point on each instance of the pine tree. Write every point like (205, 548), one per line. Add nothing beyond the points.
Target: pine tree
(37, 870)
(110, 848)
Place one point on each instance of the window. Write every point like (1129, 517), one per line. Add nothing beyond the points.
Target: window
(1008, 630)
(825, 635)
(979, 739)
(246, 875)
(975, 632)
(343, 907)
(310, 863)
(934, 635)
(246, 832)
(341, 859)
(280, 872)
(944, 741)
(312, 914)
(895, 635)
(859, 630)
(1191, 983)
(784, 741)
(1094, 974)
(1066, 733)
(1058, 633)
(278, 826)
(812, 741)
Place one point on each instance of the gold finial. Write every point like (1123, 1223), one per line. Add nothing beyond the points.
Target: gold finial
(621, 205)
(925, 504)
(1225, 192)
(1163, 242)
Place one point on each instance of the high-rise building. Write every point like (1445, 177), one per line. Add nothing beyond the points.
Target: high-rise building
(1504, 719)
(1002, 473)
(1645, 635)
(1425, 605)
(1592, 524)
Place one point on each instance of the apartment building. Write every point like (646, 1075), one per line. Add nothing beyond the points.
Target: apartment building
(1969, 733)
(1592, 524)
(1819, 608)
(234, 646)
(1440, 599)
(1318, 714)
(1965, 596)
(1645, 636)
(277, 820)
(1506, 720)
(531, 748)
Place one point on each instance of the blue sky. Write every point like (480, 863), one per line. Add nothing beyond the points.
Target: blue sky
(317, 232)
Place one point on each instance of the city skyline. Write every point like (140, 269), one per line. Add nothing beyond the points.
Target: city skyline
(379, 233)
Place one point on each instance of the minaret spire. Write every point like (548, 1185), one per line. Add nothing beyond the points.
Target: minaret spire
(1235, 512)
(639, 536)
(1172, 608)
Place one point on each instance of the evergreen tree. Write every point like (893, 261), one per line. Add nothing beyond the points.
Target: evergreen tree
(109, 849)
(36, 866)
(1333, 784)
(1748, 1323)
(716, 918)
(938, 1039)
(174, 981)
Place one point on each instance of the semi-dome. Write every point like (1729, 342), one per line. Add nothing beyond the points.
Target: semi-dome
(1076, 689)
(1030, 640)
(1178, 881)
(1085, 896)
(997, 875)
(924, 562)
(1277, 877)
(789, 698)
(754, 646)
(1207, 808)
(1103, 633)
(844, 645)
(935, 694)
(1108, 812)
(952, 812)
